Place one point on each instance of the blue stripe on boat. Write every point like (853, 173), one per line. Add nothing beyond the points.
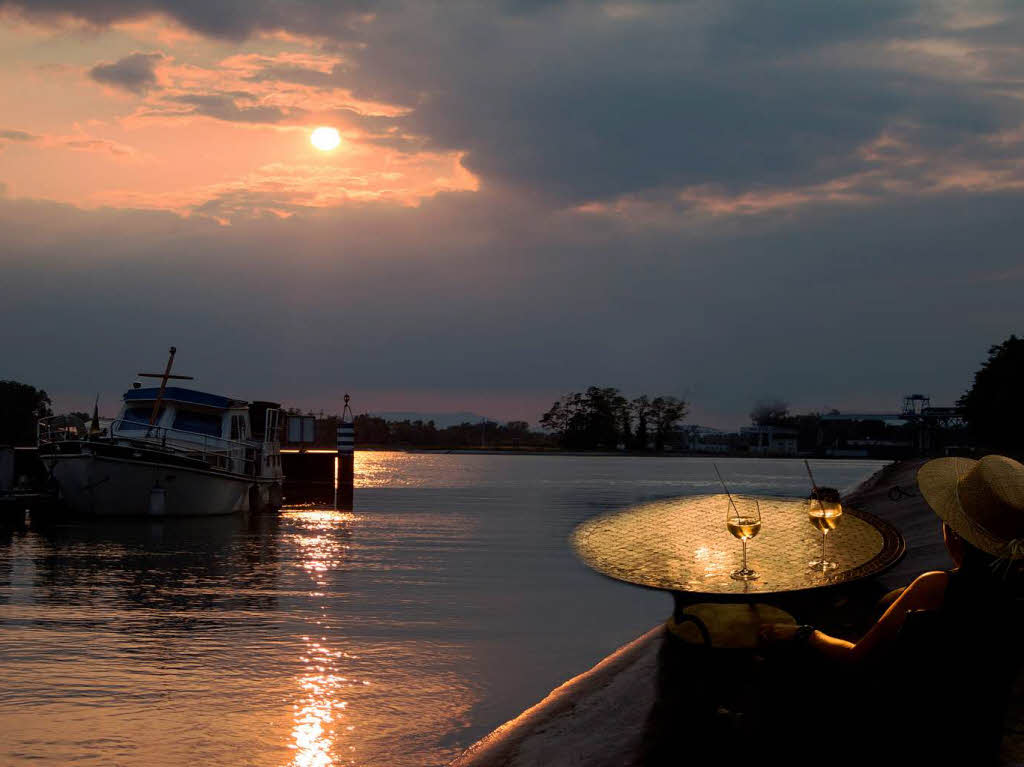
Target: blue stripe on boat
(177, 394)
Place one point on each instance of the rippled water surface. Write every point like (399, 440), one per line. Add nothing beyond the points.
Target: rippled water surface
(396, 634)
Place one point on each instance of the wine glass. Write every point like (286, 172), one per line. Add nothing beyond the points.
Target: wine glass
(743, 520)
(824, 512)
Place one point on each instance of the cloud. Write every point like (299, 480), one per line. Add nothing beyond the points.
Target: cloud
(224, 106)
(494, 294)
(284, 190)
(682, 95)
(228, 19)
(659, 196)
(77, 142)
(584, 102)
(17, 135)
(95, 145)
(277, 73)
(134, 73)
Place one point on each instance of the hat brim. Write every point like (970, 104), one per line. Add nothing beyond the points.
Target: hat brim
(938, 481)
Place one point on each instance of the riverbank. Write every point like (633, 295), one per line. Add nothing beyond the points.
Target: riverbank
(602, 717)
(557, 451)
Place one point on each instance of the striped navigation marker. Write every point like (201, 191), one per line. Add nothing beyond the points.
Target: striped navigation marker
(346, 437)
(345, 476)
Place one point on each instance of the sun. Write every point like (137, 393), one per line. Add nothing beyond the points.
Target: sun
(325, 139)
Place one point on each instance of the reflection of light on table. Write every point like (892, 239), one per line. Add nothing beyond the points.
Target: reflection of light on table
(682, 545)
(712, 562)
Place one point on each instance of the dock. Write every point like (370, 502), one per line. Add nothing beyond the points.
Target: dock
(22, 484)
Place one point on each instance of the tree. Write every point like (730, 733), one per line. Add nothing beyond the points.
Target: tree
(598, 417)
(566, 419)
(642, 413)
(666, 413)
(602, 418)
(518, 429)
(994, 407)
(770, 412)
(371, 430)
(605, 408)
(21, 407)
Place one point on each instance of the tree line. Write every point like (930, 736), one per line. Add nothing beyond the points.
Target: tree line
(603, 418)
(372, 430)
(21, 407)
(994, 405)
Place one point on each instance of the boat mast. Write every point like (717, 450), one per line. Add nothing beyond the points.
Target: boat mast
(163, 384)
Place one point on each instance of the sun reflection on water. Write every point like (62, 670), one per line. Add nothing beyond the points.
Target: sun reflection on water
(386, 469)
(322, 536)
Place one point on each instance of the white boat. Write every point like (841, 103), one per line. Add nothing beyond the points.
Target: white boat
(171, 451)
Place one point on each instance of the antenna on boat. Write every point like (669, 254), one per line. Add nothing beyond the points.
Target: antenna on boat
(163, 384)
(94, 425)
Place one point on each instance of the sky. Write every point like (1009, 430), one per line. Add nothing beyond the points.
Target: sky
(723, 201)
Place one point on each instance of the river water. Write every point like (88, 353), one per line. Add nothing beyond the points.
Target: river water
(395, 634)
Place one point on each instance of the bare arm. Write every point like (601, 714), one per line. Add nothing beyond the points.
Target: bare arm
(925, 593)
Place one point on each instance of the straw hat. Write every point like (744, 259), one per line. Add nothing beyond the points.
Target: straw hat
(983, 501)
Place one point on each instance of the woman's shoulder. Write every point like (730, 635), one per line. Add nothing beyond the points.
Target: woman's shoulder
(927, 592)
(932, 578)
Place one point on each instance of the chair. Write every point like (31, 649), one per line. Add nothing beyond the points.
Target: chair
(950, 675)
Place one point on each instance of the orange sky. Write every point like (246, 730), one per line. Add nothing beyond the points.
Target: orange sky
(223, 128)
(93, 144)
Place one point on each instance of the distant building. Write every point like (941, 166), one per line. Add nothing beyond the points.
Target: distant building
(863, 435)
(770, 440)
(703, 439)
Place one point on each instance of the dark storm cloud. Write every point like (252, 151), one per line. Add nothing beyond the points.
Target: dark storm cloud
(133, 73)
(231, 19)
(827, 308)
(223, 106)
(580, 105)
(790, 25)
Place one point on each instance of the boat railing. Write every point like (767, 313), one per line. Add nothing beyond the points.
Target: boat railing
(60, 428)
(215, 452)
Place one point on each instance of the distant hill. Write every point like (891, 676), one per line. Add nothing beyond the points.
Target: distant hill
(441, 420)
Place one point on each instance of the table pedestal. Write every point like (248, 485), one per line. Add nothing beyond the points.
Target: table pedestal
(724, 626)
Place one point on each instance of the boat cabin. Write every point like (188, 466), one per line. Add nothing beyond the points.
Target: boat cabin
(214, 424)
(191, 414)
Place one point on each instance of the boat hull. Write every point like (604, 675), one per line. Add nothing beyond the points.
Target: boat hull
(105, 485)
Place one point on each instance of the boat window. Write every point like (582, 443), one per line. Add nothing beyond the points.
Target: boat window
(137, 418)
(197, 422)
(238, 430)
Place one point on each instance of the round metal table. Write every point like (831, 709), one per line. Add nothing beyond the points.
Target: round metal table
(682, 546)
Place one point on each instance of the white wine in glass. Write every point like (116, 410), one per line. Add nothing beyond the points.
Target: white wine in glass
(824, 512)
(743, 528)
(743, 521)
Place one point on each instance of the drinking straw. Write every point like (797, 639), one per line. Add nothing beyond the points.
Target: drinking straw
(814, 486)
(728, 494)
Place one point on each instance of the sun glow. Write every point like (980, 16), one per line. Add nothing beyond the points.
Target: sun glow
(325, 139)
